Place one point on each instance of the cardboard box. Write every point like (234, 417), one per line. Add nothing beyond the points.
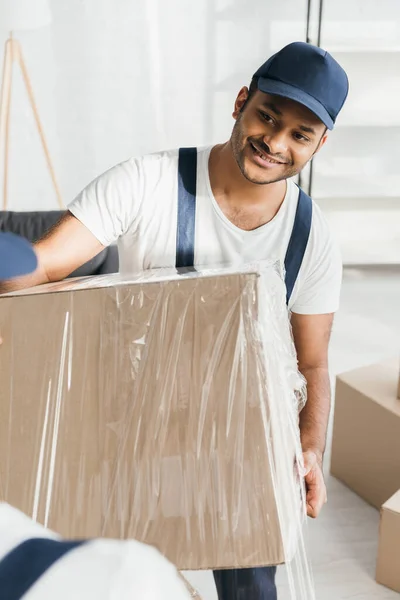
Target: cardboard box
(160, 408)
(388, 562)
(366, 432)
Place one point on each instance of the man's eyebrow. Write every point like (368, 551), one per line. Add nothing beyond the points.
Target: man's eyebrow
(307, 129)
(272, 107)
(275, 109)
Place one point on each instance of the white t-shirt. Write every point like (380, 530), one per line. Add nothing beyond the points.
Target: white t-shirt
(135, 203)
(98, 570)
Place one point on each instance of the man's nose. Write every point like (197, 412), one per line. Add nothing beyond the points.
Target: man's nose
(276, 142)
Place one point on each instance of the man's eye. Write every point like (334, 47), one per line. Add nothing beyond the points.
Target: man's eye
(266, 117)
(300, 137)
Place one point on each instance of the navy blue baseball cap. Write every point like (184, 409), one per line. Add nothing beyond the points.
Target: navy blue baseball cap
(308, 75)
(17, 256)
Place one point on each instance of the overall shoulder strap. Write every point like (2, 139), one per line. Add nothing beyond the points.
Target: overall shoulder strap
(185, 233)
(298, 241)
(27, 562)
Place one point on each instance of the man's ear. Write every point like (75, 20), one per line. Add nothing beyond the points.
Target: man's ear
(240, 101)
(321, 142)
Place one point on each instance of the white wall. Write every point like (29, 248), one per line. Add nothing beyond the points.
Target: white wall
(115, 78)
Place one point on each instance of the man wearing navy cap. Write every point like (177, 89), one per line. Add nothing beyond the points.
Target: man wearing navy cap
(232, 203)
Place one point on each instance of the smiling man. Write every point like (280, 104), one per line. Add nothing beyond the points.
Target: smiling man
(233, 203)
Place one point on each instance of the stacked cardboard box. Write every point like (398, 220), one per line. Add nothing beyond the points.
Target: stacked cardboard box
(388, 562)
(366, 432)
(366, 452)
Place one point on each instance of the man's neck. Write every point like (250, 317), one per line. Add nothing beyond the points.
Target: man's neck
(231, 189)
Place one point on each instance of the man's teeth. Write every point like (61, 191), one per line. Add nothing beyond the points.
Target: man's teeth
(267, 158)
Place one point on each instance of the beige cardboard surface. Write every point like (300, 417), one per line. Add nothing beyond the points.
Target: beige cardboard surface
(366, 431)
(388, 561)
(141, 410)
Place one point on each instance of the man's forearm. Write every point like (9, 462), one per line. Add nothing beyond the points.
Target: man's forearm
(315, 415)
(27, 281)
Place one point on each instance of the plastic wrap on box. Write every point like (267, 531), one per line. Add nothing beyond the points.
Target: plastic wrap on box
(162, 407)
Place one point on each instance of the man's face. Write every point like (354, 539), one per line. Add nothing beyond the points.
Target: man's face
(273, 137)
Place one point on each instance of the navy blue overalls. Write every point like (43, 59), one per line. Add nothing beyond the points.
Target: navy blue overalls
(237, 584)
(187, 172)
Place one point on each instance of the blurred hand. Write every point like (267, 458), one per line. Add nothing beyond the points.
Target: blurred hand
(315, 484)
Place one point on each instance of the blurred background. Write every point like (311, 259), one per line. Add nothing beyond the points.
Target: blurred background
(116, 78)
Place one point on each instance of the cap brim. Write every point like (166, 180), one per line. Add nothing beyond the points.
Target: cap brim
(279, 88)
(17, 256)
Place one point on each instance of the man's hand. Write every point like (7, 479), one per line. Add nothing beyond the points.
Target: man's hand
(315, 484)
(311, 336)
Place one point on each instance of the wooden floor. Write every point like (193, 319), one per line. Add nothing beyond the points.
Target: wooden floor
(342, 542)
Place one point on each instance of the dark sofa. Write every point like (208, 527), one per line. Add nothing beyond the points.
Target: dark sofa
(33, 225)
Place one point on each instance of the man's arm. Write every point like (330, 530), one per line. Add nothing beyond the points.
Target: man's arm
(67, 246)
(311, 336)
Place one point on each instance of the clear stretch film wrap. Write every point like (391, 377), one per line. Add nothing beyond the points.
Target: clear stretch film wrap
(162, 407)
